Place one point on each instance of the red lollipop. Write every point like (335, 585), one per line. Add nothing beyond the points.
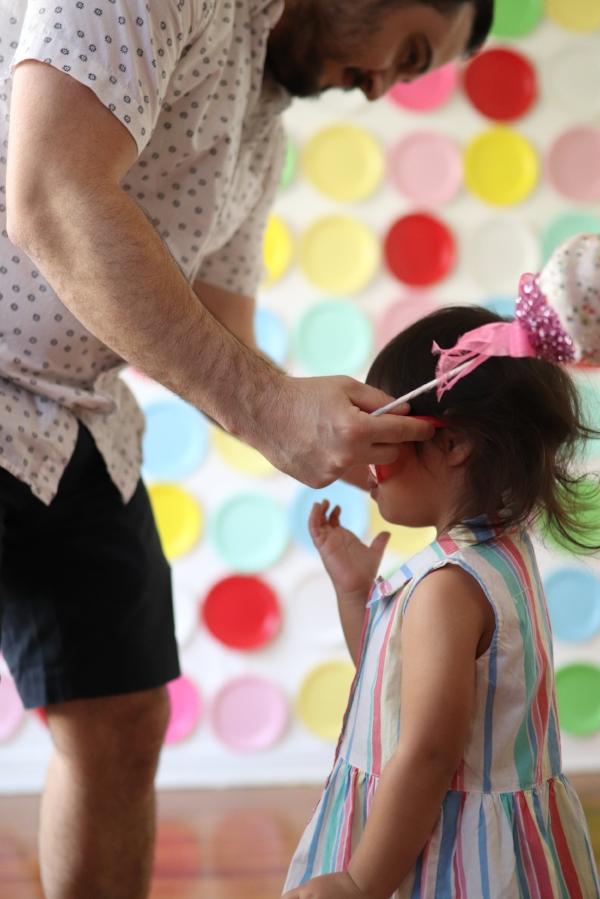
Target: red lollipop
(501, 84)
(242, 612)
(420, 249)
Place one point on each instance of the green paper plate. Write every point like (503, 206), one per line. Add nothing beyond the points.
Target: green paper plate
(590, 490)
(333, 338)
(515, 18)
(578, 698)
(290, 164)
(250, 532)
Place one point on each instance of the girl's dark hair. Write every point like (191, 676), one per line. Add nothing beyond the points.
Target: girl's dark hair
(522, 416)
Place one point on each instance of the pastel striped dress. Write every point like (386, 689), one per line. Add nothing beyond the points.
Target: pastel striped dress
(511, 826)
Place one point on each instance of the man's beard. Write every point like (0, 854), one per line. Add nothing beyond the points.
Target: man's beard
(294, 55)
(297, 49)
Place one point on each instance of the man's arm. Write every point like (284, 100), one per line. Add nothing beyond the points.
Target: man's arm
(94, 245)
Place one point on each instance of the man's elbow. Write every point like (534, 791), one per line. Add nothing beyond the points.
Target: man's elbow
(28, 221)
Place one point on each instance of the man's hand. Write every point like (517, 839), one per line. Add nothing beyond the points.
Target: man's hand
(317, 429)
(328, 886)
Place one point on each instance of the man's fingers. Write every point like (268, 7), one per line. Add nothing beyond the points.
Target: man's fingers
(390, 428)
(367, 398)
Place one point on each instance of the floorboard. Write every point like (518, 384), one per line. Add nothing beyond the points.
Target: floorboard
(212, 844)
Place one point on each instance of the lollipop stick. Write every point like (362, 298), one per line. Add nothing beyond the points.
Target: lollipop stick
(418, 391)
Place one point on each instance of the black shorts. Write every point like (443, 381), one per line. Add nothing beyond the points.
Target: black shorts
(85, 589)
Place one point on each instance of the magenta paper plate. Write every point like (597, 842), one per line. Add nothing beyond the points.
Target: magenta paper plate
(249, 714)
(426, 167)
(573, 164)
(427, 92)
(402, 313)
(11, 708)
(186, 709)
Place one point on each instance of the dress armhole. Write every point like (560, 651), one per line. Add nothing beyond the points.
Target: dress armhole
(460, 563)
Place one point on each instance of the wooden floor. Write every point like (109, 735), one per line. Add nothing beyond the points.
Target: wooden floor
(225, 844)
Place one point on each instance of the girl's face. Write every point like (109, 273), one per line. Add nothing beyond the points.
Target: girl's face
(421, 489)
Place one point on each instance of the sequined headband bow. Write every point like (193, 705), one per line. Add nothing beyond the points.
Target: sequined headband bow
(536, 332)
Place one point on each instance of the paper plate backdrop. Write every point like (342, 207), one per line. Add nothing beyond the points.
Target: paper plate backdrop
(444, 191)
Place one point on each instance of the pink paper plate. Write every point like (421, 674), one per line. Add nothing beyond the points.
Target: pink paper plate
(427, 92)
(402, 313)
(573, 164)
(186, 709)
(249, 714)
(426, 167)
(11, 708)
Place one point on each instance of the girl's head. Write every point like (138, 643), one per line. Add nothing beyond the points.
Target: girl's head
(514, 427)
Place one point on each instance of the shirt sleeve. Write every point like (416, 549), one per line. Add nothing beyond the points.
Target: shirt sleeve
(238, 265)
(125, 51)
(570, 282)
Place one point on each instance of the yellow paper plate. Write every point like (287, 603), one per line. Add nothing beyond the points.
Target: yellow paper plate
(278, 249)
(241, 456)
(339, 254)
(323, 698)
(501, 167)
(406, 542)
(344, 162)
(575, 15)
(178, 519)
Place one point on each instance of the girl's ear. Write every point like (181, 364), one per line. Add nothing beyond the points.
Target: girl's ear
(455, 445)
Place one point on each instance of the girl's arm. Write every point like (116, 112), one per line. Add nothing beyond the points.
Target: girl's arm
(350, 564)
(446, 620)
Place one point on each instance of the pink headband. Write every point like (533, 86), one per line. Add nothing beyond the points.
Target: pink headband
(536, 332)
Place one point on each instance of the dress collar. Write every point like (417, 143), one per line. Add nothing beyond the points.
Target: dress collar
(466, 534)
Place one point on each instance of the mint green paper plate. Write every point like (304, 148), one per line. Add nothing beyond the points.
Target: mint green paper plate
(250, 531)
(567, 225)
(333, 338)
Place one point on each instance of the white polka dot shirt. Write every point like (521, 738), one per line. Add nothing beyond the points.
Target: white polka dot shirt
(186, 77)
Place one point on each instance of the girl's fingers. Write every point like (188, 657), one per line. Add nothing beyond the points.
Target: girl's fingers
(334, 518)
(380, 542)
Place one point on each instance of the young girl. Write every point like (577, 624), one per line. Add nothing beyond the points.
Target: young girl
(447, 782)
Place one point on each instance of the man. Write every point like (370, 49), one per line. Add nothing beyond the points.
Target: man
(145, 150)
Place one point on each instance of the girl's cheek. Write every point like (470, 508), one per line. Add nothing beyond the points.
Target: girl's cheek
(396, 468)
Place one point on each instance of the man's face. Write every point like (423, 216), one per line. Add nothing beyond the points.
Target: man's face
(406, 43)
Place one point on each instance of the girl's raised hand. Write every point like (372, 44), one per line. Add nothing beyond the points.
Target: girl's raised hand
(351, 565)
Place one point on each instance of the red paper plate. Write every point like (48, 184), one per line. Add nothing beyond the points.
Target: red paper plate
(420, 250)
(501, 84)
(242, 612)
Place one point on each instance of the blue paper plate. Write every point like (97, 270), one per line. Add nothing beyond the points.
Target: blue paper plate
(353, 502)
(573, 597)
(504, 306)
(271, 335)
(249, 531)
(176, 440)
